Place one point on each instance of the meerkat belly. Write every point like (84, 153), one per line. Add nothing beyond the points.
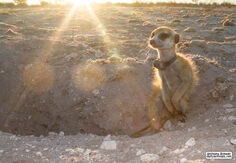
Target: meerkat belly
(169, 79)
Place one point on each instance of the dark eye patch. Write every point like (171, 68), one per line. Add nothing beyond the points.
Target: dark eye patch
(163, 36)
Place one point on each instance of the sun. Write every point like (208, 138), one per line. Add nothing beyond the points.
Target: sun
(79, 2)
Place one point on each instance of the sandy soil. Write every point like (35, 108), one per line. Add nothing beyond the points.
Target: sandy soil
(61, 96)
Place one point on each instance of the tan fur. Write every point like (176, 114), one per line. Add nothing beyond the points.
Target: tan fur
(174, 84)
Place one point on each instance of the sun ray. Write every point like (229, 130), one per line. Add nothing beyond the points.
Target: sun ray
(30, 78)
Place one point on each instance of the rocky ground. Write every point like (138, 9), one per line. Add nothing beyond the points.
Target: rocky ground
(63, 99)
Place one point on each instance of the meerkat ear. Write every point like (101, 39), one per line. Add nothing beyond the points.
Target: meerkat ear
(177, 37)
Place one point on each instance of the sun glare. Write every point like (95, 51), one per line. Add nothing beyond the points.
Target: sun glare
(79, 2)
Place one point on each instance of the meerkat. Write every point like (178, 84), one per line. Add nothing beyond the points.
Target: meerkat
(176, 73)
(175, 77)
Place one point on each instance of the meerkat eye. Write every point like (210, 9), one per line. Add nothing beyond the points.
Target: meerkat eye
(163, 36)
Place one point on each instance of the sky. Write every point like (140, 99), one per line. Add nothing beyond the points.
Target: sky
(188, 1)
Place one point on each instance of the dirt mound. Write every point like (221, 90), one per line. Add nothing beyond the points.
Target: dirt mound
(98, 96)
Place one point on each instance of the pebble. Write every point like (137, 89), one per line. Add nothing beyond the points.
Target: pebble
(231, 97)
(188, 29)
(149, 158)
(87, 152)
(200, 43)
(108, 145)
(140, 152)
(61, 133)
(182, 160)
(207, 120)
(80, 150)
(52, 134)
(191, 142)
(233, 141)
(1, 151)
(222, 118)
(232, 118)
(230, 110)
(27, 150)
(95, 92)
(228, 106)
(71, 56)
(146, 23)
(39, 153)
(167, 125)
(181, 124)
(191, 129)
(108, 137)
(68, 149)
(178, 151)
(164, 149)
(218, 29)
(45, 149)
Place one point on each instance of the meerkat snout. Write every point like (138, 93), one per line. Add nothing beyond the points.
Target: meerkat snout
(163, 37)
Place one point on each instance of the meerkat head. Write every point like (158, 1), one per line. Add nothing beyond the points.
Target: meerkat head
(163, 38)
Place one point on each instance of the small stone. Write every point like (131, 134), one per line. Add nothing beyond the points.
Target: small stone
(199, 43)
(149, 158)
(11, 32)
(27, 150)
(71, 56)
(218, 29)
(233, 141)
(182, 160)
(146, 23)
(228, 106)
(232, 118)
(191, 142)
(231, 97)
(39, 153)
(140, 152)
(230, 110)
(87, 152)
(80, 150)
(185, 16)
(108, 137)
(188, 29)
(68, 149)
(2, 71)
(95, 92)
(52, 134)
(167, 125)
(206, 120)
(115, 58)
(164, 149)
(222, 118)
(176, 22)
(181, 124)
(61, 133)
(191, 129)
(45, 149)
(178, 151)
(108, 145)
(1, 151)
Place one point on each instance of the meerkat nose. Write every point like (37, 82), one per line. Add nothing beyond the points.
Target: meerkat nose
(152, 42)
